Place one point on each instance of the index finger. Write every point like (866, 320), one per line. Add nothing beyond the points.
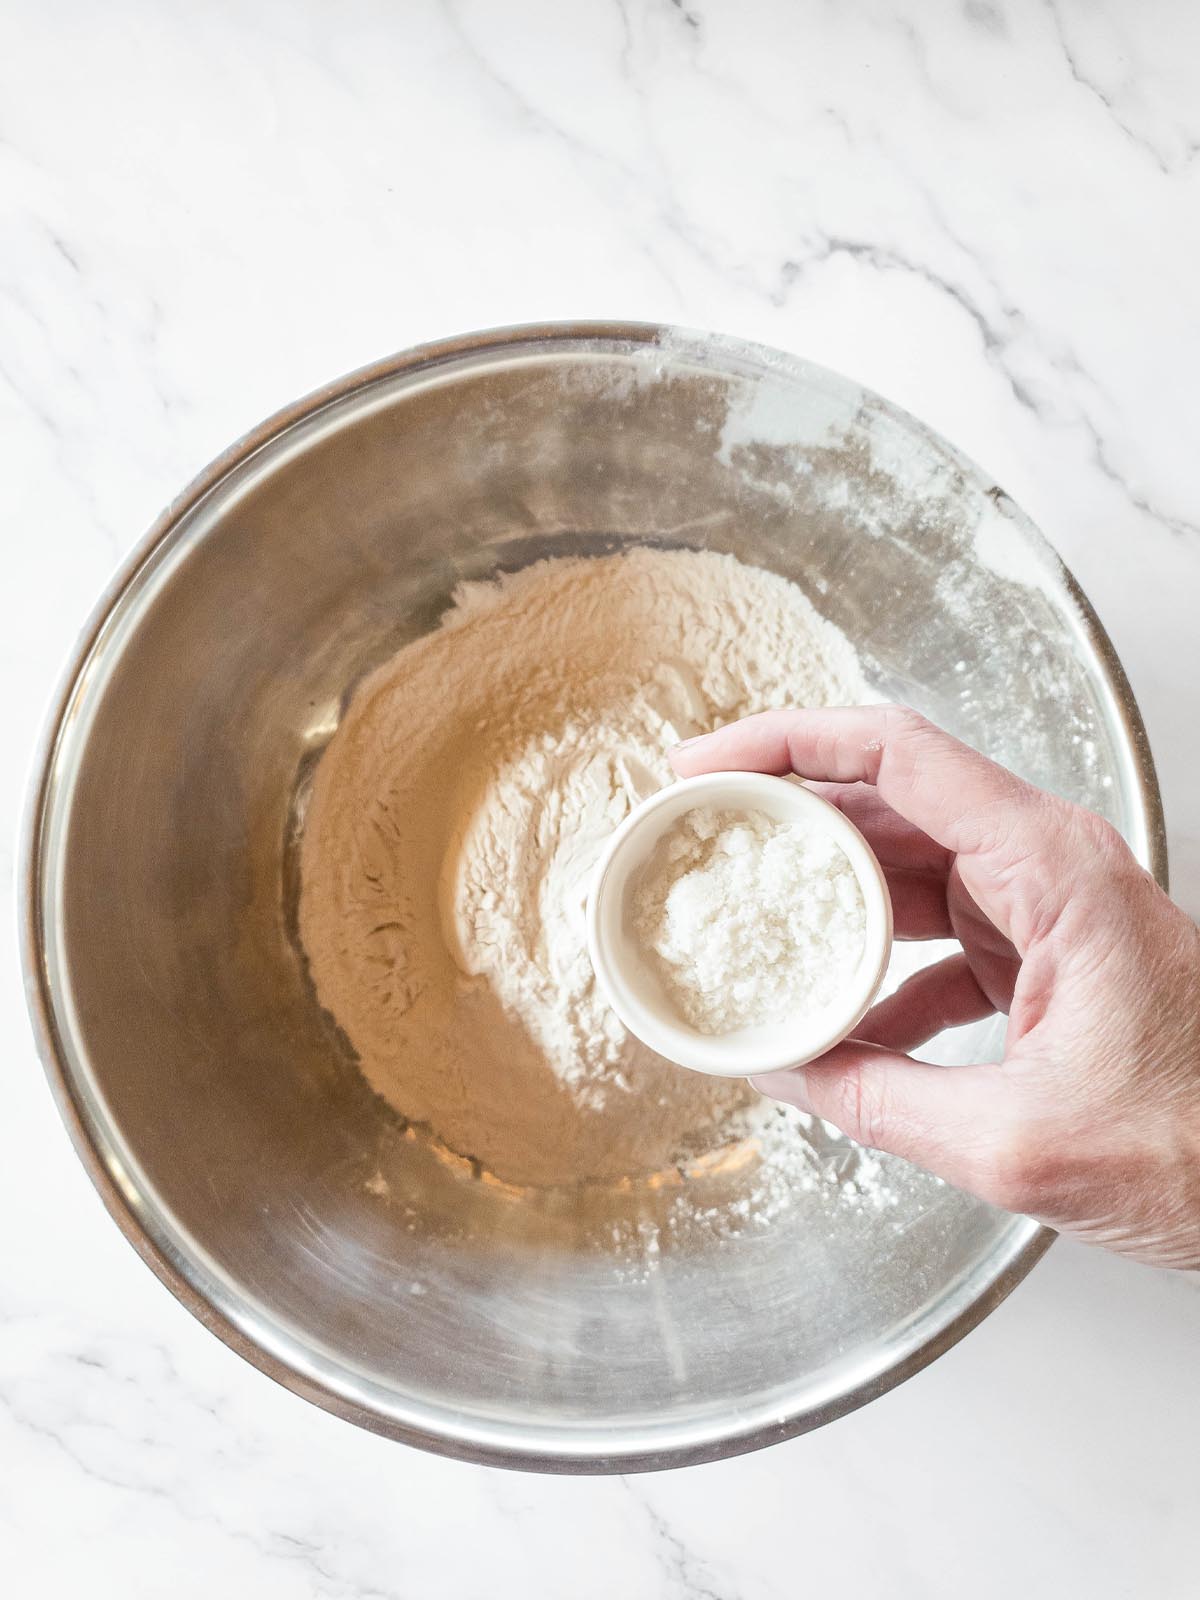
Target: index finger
(965, 802)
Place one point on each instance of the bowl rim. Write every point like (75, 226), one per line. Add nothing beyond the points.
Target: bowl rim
(448, 1433)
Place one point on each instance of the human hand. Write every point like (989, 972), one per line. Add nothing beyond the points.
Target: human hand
(1091, 1123)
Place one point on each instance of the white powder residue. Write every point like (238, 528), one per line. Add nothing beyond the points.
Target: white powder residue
(1003, 547)
(750, 920)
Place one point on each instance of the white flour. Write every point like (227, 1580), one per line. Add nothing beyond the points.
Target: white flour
(748, 920)
(457, 814)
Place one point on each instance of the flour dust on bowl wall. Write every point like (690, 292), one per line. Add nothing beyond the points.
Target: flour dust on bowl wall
(308, 851)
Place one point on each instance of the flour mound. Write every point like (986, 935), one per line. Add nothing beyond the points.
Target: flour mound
(457, 814)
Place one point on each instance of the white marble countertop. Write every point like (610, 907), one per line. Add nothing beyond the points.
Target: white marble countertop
(990, 212)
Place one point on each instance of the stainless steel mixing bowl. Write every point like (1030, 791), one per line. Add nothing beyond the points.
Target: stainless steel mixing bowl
(215, 1106)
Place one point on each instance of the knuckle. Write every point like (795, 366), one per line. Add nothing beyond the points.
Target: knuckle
(903, 723)
(1098, 835)
(860, 1107)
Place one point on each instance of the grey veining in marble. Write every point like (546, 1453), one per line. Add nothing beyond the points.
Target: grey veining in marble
(988, 211)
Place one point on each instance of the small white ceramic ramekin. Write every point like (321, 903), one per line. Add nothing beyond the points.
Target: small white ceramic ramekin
(630, 984)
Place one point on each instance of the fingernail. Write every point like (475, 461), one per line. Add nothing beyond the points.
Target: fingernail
(788, 1086)
(768, 1083)
(695, 739)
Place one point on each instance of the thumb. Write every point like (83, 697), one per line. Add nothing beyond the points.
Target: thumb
(944, 1119)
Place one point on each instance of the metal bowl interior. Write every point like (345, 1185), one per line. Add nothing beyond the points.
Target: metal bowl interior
(216, 1107)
